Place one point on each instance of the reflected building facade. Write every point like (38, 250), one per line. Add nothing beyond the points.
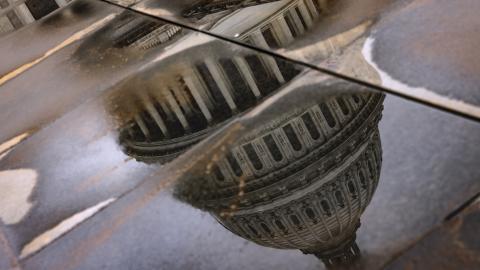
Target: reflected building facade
(16, 14)
(299, 181)
(203, 8)
(129, 30)
(206, 94)
(272, 25)
(198, 99)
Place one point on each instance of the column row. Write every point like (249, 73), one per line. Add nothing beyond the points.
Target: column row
(286, 143)
(204, 95)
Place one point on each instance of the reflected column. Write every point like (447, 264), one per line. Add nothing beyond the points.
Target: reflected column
(269, 62)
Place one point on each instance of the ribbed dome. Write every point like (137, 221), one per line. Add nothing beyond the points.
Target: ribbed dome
(324, 135)
(302, 182)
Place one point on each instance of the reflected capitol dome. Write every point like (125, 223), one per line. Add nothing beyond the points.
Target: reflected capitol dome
(299, 181)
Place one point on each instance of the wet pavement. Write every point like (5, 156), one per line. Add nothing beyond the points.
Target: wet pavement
(454, 244)
(423, 39)
(117, 122)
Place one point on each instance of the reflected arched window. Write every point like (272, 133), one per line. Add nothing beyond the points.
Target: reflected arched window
(273, 148)
(343, 106)
(292, 137)
(252, 155)
(232, 161)
(328, 115)
(312, 129)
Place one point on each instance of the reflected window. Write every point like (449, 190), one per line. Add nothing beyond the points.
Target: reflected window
(312, 129)
(328, 115)
(325, 207)
(295, 220)
(292, 137)
(310, 213)
(232, 161)
(343, 106)
(273, 148)
(40, 8)
(252, 155)
(351, 189)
